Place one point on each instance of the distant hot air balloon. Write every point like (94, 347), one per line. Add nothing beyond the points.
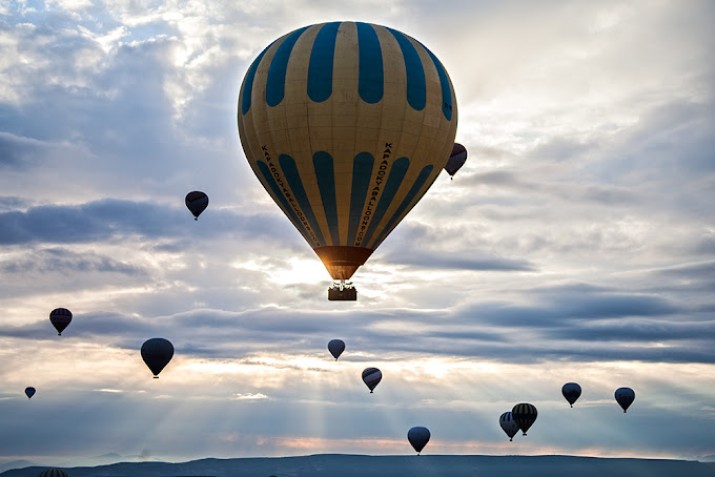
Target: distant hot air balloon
(456, 159)
(524, 414)
(625, 397)
(571, 392)
(156, 353)
(196, 201)
(508, 425)
(371, 377)
(418, 437)
(336, 348)
(60, 318)
(53, 473)
(30, 391)
(346, 125)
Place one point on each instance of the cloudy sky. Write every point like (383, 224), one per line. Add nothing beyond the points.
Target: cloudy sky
(577, 243)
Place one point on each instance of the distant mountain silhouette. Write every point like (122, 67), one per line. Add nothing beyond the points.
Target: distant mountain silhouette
(331, 465)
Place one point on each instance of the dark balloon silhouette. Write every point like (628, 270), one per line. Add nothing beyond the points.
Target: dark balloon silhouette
(625, 397)
(156, 353)
(418, 437)
(53, 473)
(508, 425)
(336, 348)
(196, 201)
(524, 414)
(456, 159)
(371, 377)
(60, 319)
(30, 391)
(571, 391)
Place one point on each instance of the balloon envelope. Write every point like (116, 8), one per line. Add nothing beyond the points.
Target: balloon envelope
(625, 397)
(53, 473)
(346, 125)
(508, 424)
(30, 391)
(156, 353)
(418, 437)
(336, 348)
(196, 201)
(456, 159)
(524, 414)
(60, 319)
(371, 377)
(571, 391)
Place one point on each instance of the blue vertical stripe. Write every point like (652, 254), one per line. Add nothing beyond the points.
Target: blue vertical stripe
(371, 77)
(320, 69)
(362, 171)
(292, 176)
(444, 82)
(275, 85)
(248, 85)
(416, 85)
(323, 164)
(409, 198)
(394, 180)
(278, 194)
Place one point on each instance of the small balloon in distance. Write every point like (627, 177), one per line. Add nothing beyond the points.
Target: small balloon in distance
(196, 201)
(60, 319)
(156, 353)
(336, 348)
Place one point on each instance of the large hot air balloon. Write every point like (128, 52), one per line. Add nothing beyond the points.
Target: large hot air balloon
(456, 159)
(336, 348)
(156, 353)
(196, 201)
(524, 414)
(372, 377)
(625, 397)
(30, 391)
(60, 318)
(508, 425)
(53, 473)
(346, 125)
(571, 392)
(418, 437)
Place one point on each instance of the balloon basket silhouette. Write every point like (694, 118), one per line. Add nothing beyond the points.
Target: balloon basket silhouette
(342, 291)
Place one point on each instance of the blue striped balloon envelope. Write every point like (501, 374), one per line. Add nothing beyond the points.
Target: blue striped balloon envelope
(346, 125)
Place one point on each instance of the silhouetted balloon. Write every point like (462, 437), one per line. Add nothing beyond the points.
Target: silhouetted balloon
(418, 437)
(196, 201)
(571, 392)
(524, 414)
(60, 318)
(346, 125)
(53, 473)
(625, 397)
(456, 159)
(336, 348)
(156, 353)
(371, 377)
(30, 391)
(508, 424)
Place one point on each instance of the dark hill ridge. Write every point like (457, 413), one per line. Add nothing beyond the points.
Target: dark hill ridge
(394, 466)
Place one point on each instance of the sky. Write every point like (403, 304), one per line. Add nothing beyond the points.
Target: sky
(576, 244)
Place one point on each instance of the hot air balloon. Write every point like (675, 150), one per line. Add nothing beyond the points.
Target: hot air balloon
(60, 318)
(346, 125)
(336, 348)
(625, 397)
(372, 377)
(456, 159)
(571, 392)
(53, 473)
(196, 201)
(524, 414)
(30, 391)
(418, 437)
(508, 425)
(156, 353)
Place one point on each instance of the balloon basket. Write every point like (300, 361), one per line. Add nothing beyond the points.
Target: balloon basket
(342, 292)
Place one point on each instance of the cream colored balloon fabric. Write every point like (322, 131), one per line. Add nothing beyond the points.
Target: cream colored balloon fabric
(346, 125)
